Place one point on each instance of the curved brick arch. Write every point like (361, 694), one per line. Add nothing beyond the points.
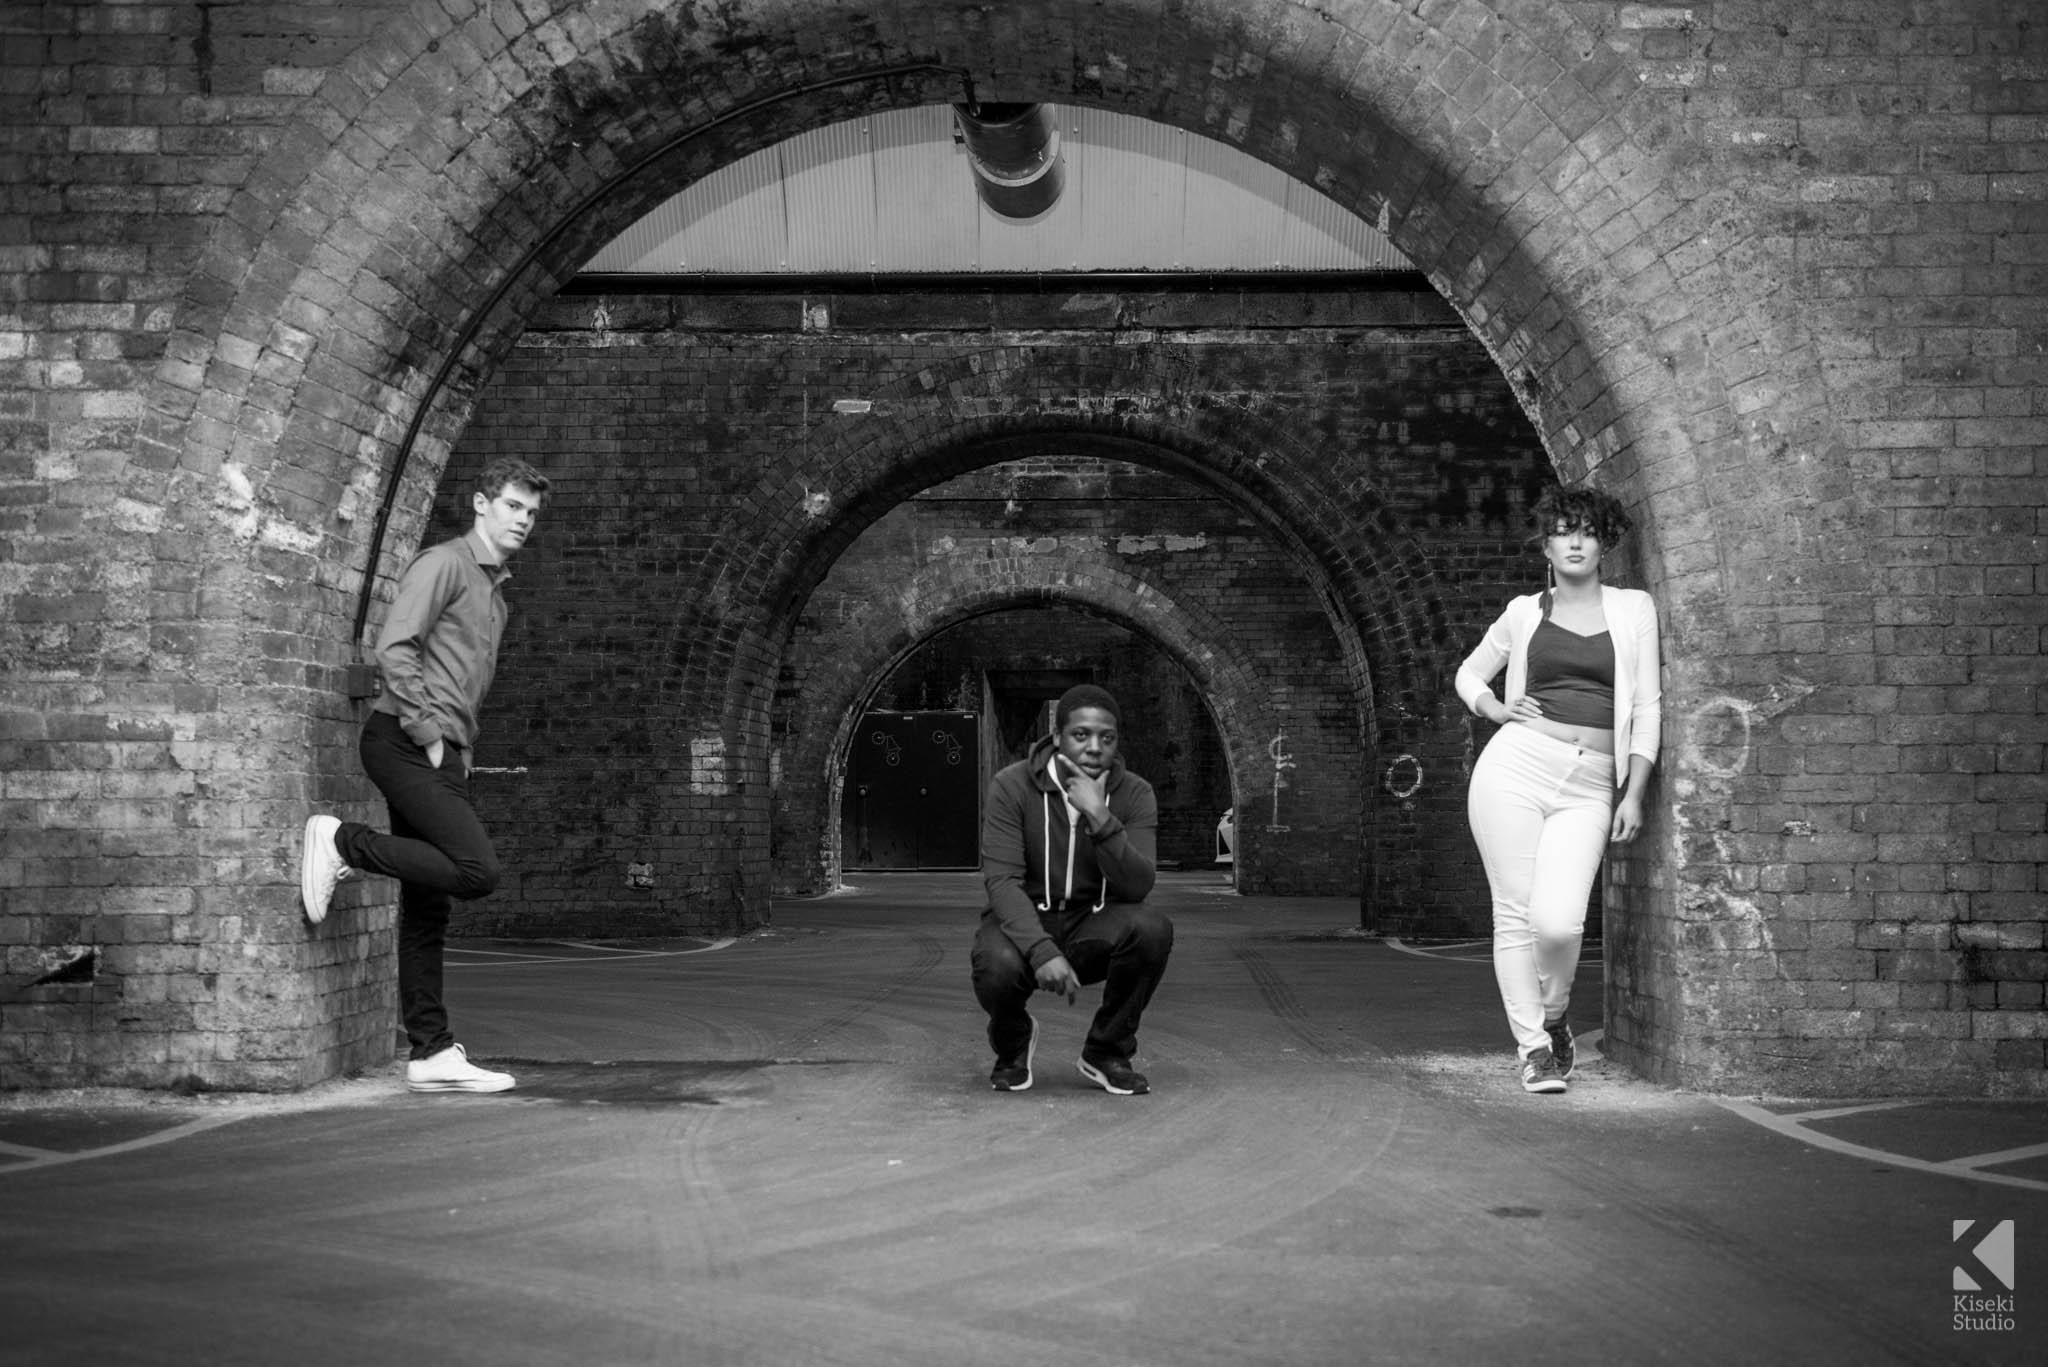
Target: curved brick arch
(458, 157)
(1375, 586)
(1500, 148)
(941, 597)
(1134, 404)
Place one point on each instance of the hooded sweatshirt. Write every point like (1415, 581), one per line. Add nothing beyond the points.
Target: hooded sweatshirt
(1040, 858)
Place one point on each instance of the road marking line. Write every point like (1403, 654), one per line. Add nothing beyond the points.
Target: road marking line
(525, 961)
(1988, 1160)
(24, 1151)
(51, 1158)
(1791, 1128)
(1395, 942)
(1804, 1116)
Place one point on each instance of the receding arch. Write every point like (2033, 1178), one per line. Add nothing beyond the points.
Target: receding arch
(1378, 590)
(942, 597)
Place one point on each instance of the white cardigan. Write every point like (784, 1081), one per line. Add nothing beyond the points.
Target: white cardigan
(1638, 693)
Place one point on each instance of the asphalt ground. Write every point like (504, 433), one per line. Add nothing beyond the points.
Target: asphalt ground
(782, 1150)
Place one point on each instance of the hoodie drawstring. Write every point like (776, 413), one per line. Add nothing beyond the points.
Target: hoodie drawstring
(1073, 838)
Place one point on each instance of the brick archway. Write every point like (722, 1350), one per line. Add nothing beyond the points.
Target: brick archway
(941, 597)
(460, 162)
(1373, 583)
(325, 355)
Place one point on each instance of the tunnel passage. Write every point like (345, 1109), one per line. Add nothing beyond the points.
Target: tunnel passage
(1334, 502)
(1673, 266)
(1184, 570)
(996, 677)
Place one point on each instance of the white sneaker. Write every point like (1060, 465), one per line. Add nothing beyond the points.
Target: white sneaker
(320, 867)
(451, 1071)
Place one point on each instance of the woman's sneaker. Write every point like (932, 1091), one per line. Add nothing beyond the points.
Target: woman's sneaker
(451, 1071)
(1560, 1032)
(1540, 1073)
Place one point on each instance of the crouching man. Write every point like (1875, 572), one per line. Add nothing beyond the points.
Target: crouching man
(1068, 856)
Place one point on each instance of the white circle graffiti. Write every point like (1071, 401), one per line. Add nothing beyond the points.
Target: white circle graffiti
(1716, 766)
(1414, 785)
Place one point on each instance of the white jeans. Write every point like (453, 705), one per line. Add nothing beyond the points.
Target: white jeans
(1540, 810)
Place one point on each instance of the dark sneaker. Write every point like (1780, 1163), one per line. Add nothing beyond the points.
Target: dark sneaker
(1540, 1073)
(1115, 1076)
(1561, 1050)
(1013, 1074)
(320, 867)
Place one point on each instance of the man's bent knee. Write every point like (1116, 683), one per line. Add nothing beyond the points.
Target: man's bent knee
(476, 878)
(1152, 931)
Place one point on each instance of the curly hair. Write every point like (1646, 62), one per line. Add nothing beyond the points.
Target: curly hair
(1581, 509)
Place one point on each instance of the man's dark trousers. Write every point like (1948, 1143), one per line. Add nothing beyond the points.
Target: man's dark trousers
(437, 850)
(1124, 947)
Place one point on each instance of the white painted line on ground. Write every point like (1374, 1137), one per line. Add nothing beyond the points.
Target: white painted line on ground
(1992, 1160)
(49, 1158)
(495, 953)
(1833, 1111)
(1793, 1128)
(624, 953)
(611, 957)
(1395, 942)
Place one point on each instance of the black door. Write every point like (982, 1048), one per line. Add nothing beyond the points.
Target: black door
(913, 792)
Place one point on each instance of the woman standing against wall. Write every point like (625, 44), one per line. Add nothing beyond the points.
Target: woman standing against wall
(1581, 719)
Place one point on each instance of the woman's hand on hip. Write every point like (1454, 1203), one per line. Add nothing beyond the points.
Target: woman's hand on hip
(1524, 708)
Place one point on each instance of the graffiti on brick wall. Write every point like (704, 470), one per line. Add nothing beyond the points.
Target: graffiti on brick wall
(1718, 738)
(1282, 762)
(1720, 732)
(1717, 745)
(1404, 777)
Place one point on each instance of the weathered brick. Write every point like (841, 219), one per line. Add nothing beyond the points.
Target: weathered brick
(1875, 301)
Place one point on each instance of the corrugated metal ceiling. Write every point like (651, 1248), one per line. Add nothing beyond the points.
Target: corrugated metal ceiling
(893, 193)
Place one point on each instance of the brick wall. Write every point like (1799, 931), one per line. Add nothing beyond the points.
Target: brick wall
(1167, 736)
(1771, 273)
(657, 414)
(1178, 540)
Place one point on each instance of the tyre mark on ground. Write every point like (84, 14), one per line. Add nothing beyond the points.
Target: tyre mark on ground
(1279, 998)
(928, 953)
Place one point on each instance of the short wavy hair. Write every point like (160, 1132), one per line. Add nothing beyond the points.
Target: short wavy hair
(506, 470)
(1580, 508)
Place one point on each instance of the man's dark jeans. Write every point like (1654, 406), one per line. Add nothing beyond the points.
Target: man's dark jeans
(437, 850)
(1124, 947)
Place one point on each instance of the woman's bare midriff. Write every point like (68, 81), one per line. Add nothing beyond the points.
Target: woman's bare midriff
(1585, 737)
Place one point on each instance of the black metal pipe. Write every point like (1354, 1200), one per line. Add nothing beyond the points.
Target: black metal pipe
(1014, 150)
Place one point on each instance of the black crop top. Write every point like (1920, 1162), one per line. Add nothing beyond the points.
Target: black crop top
(1572, 676)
